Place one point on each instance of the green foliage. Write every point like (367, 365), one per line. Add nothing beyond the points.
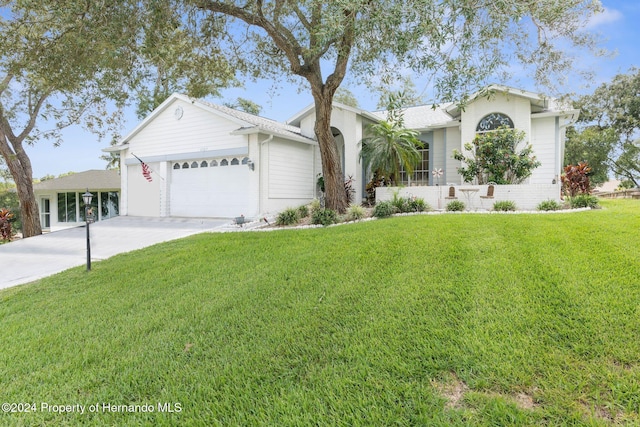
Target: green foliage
(346, 97)
(314, 206)
(591, 146)
(608, 126)
(384, 209)
(303, 211)
(549, 205)
(324, 217)
(504, 206)
(417, 204)
(289, 216)
(408, 204)
(390, 148)
(6, 218)
(495, 158)
(455, 206)
(575, 179)
(245, 105)
(355, 213)
(583, 201)
(376, 181)
(400, 203)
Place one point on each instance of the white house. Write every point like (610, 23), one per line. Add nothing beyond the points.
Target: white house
(60, 200)
(207, 160)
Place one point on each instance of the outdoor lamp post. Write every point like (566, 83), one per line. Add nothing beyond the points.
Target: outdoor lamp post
(86, 197)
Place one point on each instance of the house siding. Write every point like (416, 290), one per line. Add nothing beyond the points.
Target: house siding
(543, 140)
(290, 171)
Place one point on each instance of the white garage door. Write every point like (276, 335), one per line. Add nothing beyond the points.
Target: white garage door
(201, 190)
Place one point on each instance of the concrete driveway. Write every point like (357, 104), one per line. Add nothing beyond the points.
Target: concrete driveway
(24, 261)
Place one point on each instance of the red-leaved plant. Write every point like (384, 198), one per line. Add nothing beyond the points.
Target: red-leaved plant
(576, 179)
(5, 224)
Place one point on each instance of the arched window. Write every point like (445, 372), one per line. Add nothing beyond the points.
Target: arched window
(185, 165)
(203, 164)
(214, 163)
(176, 165)
(234, 162)
(493, 121)
(224, 162)
(194, 165)
(245, 160)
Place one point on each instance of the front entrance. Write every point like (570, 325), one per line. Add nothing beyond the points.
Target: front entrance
(45, 213)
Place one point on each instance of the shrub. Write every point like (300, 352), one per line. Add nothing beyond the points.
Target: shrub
(576, 179)
(303, 211)
(583, 201)
(504, 206)
(5, 224)
(495, 157)
(400, 203)
(287, 217)
(418, 205)
(384, 209)
(549, 205)
(314, 205)
(455, 206)
(348, 188)
(355, 213)
(324, 217)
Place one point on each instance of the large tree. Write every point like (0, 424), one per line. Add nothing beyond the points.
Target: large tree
(608, 129)
(458, 44)
(60, 64)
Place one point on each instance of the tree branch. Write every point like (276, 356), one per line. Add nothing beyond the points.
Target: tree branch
(281, 36)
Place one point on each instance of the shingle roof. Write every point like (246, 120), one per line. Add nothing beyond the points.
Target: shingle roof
(253, 121)
(422, 116)
(91, 179)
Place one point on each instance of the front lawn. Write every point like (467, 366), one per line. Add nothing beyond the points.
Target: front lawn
(422, 320)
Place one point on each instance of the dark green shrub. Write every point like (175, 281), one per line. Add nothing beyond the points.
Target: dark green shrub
(455, 206)
(384, 209)
(504, 206)
(583, 201)
(549, 205)
(355, 213)
(418, 205)
(400, 203)
(303, 211)
(288, 217)
(324, 217)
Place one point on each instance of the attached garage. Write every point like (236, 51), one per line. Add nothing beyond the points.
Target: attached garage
(210, 188)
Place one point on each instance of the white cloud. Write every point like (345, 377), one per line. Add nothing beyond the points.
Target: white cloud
(608, 16)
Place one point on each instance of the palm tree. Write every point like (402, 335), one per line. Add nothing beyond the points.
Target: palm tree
(391, 148)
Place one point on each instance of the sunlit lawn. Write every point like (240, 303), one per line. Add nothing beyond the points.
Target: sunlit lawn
(422, 320)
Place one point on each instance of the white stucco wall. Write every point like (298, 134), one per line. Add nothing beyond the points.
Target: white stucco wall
(526, 196)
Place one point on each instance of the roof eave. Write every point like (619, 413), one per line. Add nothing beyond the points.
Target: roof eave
(257, 130)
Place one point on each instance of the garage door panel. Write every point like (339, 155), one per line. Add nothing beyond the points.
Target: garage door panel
(210, 192)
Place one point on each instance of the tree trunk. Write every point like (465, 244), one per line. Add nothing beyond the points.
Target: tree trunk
(335, 195)
(20, 168)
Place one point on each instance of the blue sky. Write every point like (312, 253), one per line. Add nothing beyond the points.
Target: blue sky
(81, 151)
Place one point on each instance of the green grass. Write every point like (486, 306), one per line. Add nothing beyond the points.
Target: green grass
(376, 323)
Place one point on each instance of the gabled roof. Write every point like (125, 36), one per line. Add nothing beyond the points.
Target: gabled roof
(91, 179)
(539, 102)
(422, 116)
(295, 119)
(247, 123)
